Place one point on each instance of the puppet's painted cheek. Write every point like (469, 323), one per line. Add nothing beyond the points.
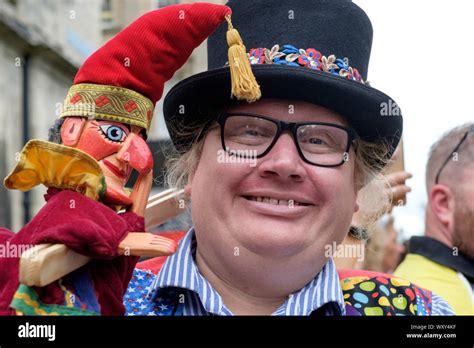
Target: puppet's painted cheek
(95, 145)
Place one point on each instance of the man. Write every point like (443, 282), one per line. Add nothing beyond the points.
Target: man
(443, 259)
(275, 181)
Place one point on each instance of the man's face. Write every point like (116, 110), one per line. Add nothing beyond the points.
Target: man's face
(234, 204)
(116, 147)
(463, 236)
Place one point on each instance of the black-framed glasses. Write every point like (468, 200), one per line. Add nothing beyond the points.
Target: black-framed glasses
(456, 148)
(251, 135)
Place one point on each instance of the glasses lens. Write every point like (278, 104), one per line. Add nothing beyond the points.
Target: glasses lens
(248, 134)
(321, 144)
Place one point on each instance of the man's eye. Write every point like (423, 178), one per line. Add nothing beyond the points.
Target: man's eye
(316, 141)
(113, 133)
(251, 132)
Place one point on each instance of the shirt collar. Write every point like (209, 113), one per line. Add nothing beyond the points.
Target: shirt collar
(180, 271)
(442, 254)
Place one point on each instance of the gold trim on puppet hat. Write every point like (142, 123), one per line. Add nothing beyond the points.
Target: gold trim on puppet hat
(108, 103)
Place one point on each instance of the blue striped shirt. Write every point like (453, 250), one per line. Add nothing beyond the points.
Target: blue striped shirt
(180, 280)
(180, 271)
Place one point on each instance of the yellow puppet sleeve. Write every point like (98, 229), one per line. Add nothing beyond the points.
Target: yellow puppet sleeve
(54, 165)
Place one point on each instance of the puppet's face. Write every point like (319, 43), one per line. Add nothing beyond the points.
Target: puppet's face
(117, 147)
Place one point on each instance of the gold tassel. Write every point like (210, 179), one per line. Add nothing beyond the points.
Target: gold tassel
(244, 84)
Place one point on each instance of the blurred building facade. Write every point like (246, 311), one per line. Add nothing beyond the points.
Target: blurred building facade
(42, 43)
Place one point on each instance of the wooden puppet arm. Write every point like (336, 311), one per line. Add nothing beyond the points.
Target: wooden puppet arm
(45, 263)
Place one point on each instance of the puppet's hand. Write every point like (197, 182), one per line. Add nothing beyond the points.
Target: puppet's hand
(147, 244)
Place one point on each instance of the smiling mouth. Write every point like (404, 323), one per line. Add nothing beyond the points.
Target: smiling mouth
(119, 173)
(273, 201)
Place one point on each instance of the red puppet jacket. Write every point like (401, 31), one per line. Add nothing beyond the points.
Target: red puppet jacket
(87, 227)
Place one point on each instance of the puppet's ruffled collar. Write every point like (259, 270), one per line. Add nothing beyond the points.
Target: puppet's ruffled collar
(59, 166)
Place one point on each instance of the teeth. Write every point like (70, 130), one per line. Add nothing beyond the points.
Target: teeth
(273, 201)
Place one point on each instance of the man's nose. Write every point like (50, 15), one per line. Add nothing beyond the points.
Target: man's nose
(283, 160)
(136, 153)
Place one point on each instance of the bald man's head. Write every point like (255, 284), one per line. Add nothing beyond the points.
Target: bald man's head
(450, 209)
(459, 162)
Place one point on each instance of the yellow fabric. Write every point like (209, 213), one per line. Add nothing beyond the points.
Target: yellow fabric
(33, 304)
(441, 280)
(54, 165)
(244, 84)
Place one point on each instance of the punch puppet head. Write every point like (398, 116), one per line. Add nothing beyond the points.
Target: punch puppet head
(108, 111)
(118, 148)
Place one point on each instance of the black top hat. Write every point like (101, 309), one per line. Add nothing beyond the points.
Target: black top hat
(310, 50)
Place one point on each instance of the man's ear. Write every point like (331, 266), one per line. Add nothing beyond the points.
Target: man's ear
(189, 185)
(356, 207)
(441, 201)
(71, 130)
(187, 190)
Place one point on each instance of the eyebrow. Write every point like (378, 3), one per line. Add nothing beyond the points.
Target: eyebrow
(123, 124)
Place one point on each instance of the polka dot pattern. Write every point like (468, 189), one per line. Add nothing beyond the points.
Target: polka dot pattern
(386, 296)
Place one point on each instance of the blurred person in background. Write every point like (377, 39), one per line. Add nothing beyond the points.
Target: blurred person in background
(443, 259)
(383, 250)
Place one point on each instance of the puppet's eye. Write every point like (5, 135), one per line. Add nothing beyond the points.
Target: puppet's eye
(113, 133)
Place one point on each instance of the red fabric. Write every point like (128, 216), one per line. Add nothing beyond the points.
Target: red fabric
(145, 55)
(347, 273)
(87, 227)
(154, 265)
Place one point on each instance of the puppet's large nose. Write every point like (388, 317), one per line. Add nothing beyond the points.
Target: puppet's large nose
(136, 153)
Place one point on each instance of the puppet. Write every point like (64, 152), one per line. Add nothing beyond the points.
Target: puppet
(89, 213)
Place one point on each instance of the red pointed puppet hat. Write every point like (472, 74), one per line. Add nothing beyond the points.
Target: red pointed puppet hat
(124, 79)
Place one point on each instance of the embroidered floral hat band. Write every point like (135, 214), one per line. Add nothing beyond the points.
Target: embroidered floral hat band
(309, 58)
